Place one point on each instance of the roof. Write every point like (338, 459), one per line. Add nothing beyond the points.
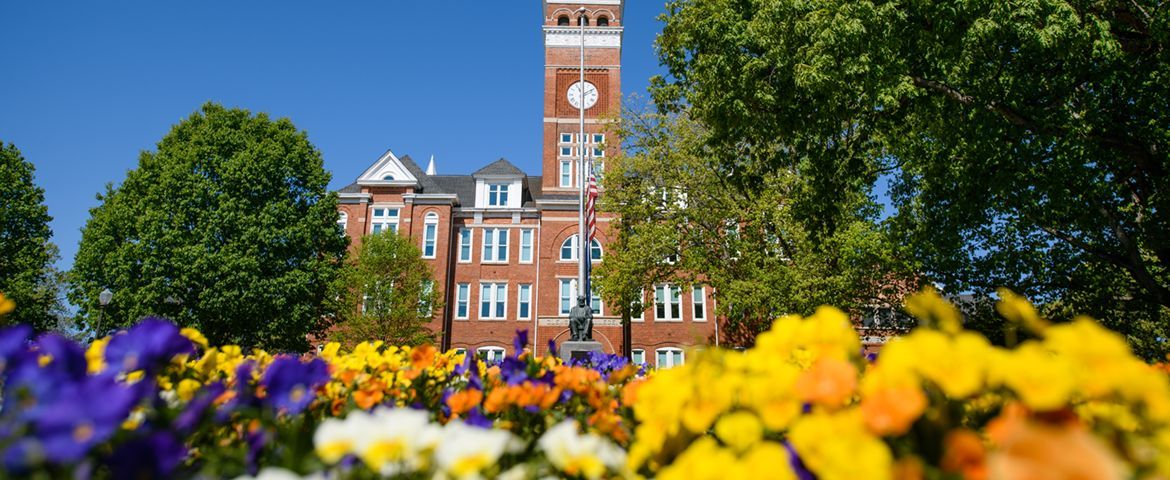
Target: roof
(424, 180)
(463, 186)
(501, 167)
(351, 188)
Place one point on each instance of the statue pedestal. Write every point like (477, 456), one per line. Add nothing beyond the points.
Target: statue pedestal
(579, 350)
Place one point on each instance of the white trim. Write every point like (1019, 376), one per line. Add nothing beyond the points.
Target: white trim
(459, 288)
(388, 163)
(430, 219)
(494, 234)
(702, 301)
(682, 355)
(636, 351)
(671, 314)
(499, 295)
(520, 288)
(470, 245)
(531, 245)
(491, 351)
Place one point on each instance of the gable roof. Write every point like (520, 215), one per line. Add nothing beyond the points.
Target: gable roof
(499, 168)
(390, 165)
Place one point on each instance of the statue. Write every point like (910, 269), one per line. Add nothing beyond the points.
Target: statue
(581, 322)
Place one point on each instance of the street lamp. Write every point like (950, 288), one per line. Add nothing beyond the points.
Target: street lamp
(103, 300)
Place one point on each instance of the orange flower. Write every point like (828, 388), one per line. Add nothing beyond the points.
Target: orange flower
(369, 395)
(497, 400)
(909, 468)
(891, 411)
(422, 357)
(630, 392)
(462, 402)
(963, 453)
(829, 382)
(1027, 448)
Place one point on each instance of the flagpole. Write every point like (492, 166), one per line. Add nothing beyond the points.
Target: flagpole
(582, 239)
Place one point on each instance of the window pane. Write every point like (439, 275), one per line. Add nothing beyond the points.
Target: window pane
(502, 244)
(465, 245)
(526, 245)
(429, 240)
(663, 359)
(501, 294)
(566, 299)
(677, 358)
(638, 357)
(595, 250)
(489, 244)
(598, 138)
(485, 301)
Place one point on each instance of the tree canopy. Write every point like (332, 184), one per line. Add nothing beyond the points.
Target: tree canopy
(387, 292)
(228, 227)
(27, 276)
(682, 221)
(1026, 139)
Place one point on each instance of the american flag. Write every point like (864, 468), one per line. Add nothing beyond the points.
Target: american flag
(590, 225)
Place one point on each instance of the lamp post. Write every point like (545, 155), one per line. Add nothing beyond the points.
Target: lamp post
(582, 237)
(103, 300)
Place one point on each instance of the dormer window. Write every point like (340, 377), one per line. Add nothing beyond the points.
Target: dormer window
(388, 178)
(497, 194)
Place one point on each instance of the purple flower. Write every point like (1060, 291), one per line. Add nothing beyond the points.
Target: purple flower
(794, 461)
(194, 412)
(291, 383)
(552, 347)
(519, 342)
(475, 418)
(27, 378)
(85, 415)
(153, 456)
(23, 455)
(149, 345)
(13, 340)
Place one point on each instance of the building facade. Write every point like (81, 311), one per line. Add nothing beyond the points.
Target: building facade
(503, 243)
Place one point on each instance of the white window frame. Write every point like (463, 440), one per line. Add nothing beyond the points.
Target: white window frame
(492, 354)
(635, 354)
(527, 238)
(430, 235)
(494, 295)
(461, 351)
(566, 173)
(670, 351)
(467, 243)
(567, 135)
(567, 152)
(343, 222)
(671, 311)
(597, 138)
(571, 299)
(497, 194)
(699, 305)
(598, 152)
(495, 239)
(388, 222)
(463, 301)
(573, 243)
(522, 303)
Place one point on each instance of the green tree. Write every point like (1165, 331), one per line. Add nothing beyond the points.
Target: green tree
(682, 221)
(228, 227)
(1028, 138)
(387, 292)
(27, 276)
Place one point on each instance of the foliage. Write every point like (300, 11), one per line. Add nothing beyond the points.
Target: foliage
(228, 227)
(27, 275)
(387, 293)
(1028, 139)
(674, 200)
(939, 402)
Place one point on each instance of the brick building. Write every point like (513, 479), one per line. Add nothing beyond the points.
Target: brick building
(503, 243)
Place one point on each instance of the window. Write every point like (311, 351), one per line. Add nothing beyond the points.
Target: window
(583, 20)
(566, 138)
(388, 178)
(461, 351)
(666, 302)
(524, 302)
(669, 357)
(602, 21)
(598, 152)
(599, 138)
(566, 173)
(495, 245)
(384, 220)
(569, 250)
(497, 194)
(563, 20)
(342, 220)
(462, 294)
(465, 238)
(493, 298)
(492, 354)
(526, 246)
(638, 356)
(425, 308)
(430, 231)
(699, 301)
(569, 297)
(567, 152)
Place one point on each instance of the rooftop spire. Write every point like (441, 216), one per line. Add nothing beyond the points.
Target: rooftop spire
(431, 166)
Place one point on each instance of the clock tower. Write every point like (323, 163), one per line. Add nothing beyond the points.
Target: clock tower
(565, 95)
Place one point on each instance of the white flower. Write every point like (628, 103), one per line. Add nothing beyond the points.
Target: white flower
(273, 473)
(465, 451)
(334, 439)
(391, 440)
(587, 455)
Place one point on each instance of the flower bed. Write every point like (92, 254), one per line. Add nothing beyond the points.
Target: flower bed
(940, 402)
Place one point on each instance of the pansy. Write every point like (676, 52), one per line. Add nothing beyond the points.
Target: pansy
(149, 345)
(291, 384)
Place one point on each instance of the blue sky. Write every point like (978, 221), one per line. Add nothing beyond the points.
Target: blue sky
(85, 86)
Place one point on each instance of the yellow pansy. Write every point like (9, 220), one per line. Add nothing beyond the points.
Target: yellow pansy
(195, 336)
(932, 308)
(95, 356)
(740, 430)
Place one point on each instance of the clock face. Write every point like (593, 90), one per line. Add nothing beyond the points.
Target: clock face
(575, 96)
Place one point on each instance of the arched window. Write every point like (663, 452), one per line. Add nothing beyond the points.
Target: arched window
(388, 178)
(342, 219)
(570, 247)
(563, 21)
(583, 20)
(430, 232)
(602, 21)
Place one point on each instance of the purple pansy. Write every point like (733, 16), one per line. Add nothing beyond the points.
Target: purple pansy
(152, 456)
(291, 384)
(149, 345)
(194, 412)
(85, 415)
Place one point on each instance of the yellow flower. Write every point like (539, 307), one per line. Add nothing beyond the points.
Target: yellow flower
(929, 306)
(830, 382)
(95, 355)
(739, 430)
(957, 364)
(187, 389)
(195, 336)
(1020, 311)
(6, 305)
(1043, 380)
(837, 447)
